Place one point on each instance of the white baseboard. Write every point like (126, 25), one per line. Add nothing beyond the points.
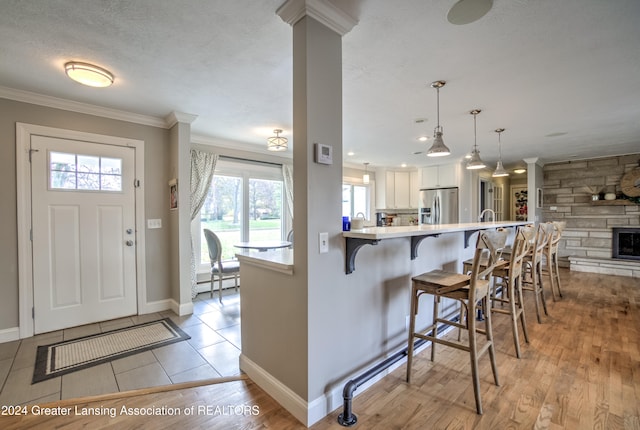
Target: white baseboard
(9, 334)
(168, 304)
(311, 412)
(289, 400)
(182, 309)
(158, 306)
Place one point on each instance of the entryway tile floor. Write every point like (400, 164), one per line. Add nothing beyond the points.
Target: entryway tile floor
(213, 351)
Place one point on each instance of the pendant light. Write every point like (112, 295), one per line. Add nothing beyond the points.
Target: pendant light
(365, 177)
(277, 143)
(438, 148)
(475, 162)
(499, 169)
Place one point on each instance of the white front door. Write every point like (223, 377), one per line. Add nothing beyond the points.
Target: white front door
(83, 227)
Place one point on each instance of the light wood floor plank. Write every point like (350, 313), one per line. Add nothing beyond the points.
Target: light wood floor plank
(581, 370)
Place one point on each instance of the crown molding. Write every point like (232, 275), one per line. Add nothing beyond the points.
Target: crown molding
(322, 11)
(78, 107)
(175, 117)
(534, 160)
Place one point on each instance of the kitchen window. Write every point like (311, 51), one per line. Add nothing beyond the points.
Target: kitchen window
(356, 198)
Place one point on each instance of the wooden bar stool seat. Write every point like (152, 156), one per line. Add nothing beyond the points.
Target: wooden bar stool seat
(471, 291)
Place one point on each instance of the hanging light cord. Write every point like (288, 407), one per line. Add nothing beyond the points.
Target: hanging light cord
(438, 128)
(475, 135)
(499, 147)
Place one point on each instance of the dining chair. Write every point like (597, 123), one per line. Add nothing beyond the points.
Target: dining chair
(472, 292)
(220, 268)
(290, 238)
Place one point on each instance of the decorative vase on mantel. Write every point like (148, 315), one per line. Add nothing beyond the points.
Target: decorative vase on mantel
(595, 197)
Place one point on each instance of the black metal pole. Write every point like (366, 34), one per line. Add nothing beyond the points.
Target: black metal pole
(347, 418)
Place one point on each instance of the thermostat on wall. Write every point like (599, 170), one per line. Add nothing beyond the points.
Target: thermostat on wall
(324, 154)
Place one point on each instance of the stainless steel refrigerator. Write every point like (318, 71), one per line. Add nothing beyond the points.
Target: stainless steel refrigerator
(439, 206)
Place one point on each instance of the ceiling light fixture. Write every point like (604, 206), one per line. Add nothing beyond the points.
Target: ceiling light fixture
(365, 177)
(519, 170)
(438, 148)
(88, 74)
(475, 162)
(468, 11)
(499, 169)
(277, 143)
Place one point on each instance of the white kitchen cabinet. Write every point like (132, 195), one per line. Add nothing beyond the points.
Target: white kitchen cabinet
(414, 189)
(399, 191)
(445, 175)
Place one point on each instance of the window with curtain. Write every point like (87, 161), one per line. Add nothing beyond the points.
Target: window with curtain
(245, 203)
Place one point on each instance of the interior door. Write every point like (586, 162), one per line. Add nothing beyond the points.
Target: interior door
(83, 232)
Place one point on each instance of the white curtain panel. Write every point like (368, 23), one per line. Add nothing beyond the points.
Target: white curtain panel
(203, 165)
(287, 174)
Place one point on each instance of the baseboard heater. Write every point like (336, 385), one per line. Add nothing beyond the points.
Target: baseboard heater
(347, 418)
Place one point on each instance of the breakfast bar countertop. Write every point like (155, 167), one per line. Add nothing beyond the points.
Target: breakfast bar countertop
(356, 239)
(378, 233)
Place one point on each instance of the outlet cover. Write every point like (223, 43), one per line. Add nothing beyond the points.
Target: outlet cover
(323, 242)
(154, 223)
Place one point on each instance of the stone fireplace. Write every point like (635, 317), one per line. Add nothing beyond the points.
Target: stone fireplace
(626, 243)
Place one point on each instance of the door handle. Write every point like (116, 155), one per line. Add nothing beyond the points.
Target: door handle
(129, 243)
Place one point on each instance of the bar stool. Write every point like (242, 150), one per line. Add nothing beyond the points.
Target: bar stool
(551, 256)
(532, 268)
(509, 278)
(469, 290)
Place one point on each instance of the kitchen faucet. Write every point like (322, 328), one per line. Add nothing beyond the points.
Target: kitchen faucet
(493, 215)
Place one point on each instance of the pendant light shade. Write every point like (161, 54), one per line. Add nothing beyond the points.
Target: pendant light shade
(277, 143)
(438, 148)
(365, 177)
(499, 172)
(475, 162)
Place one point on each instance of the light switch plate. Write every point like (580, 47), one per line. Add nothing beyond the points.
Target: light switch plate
(323, 242)
(154, 223)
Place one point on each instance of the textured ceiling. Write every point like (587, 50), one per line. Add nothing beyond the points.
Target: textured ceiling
(562, 77)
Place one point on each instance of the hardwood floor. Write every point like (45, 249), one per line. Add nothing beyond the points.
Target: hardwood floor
(581, 370)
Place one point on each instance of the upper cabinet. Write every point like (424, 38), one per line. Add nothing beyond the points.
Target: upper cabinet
(399, 191)
(445, 175)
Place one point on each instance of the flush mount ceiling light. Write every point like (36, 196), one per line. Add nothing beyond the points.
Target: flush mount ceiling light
(475, 162)
(519, 170)
(499, 169)
(277, 143)
(438, 148)
(365, 177)
(88, 74)
(468, 11)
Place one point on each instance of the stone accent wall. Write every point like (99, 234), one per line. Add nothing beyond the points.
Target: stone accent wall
(565, 198)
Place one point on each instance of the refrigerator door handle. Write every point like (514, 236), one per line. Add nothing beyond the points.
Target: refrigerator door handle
(436, 207)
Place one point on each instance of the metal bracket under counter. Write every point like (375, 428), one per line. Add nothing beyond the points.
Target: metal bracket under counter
(353, 245)
(415, 241)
